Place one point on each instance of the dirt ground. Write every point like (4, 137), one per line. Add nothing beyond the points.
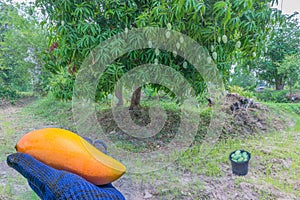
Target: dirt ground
(181, 184)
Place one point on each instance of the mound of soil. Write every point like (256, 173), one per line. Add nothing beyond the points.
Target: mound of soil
(247, 117)
(141, 118)
(243, 117)
(295, 97)
(4, 102)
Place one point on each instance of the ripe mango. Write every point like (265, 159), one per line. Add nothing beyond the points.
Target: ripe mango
(65, 150)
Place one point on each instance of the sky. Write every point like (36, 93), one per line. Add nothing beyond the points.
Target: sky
(289, 6)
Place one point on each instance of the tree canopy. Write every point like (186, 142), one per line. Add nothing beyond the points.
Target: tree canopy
(290, 69)
(230, 30)
(285, 42)
(21, 46)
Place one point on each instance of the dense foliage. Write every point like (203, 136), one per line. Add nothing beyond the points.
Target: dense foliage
(247, 40)
(290, 68)
(21, 46)
(230, 30)
(285, 42)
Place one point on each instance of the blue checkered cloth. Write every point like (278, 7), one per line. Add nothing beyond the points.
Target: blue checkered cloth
(52, 184)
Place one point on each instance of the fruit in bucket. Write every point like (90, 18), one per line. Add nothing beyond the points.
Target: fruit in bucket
(239, 156)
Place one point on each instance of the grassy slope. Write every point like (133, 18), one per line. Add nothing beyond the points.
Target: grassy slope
(13, 123)
(274, 168)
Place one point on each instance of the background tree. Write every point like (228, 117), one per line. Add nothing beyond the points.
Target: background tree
(290, 68)
(242, 77)
(22, 43)
(285, 41)
(230, 30)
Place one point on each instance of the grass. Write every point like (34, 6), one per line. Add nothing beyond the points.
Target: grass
(275, 156)
(274, 167)
(15, 186)
(52, 112)
(6, 143)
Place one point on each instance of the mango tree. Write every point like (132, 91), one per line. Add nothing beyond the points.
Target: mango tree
(230, 30)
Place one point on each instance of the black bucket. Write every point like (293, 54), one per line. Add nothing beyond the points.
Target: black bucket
(240, 168)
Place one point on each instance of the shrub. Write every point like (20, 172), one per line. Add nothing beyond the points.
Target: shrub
(273, 96)
(241, 91)
(8, 93)
(61, 85)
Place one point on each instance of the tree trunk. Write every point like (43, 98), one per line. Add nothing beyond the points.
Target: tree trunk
(136, 99)
(119, 95)
(279, 84)
(37, 72)
(291, 88)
